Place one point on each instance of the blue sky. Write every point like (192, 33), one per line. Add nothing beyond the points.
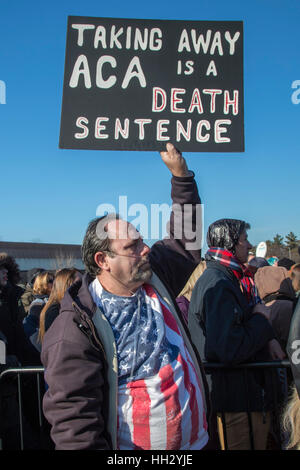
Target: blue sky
(49, 195)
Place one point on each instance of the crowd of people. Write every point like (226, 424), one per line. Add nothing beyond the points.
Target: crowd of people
(125, 345)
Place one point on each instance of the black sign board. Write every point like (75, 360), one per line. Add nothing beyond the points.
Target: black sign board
(135, 84)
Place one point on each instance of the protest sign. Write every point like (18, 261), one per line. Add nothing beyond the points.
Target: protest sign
(134, 84)
(261, 250)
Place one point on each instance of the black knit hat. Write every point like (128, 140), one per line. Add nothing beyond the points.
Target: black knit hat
(286, 263)
(258, 262)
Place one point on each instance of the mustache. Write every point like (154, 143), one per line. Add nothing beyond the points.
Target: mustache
(144, 260)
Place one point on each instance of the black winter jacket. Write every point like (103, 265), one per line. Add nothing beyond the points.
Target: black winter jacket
(11, 326)
(230, 334)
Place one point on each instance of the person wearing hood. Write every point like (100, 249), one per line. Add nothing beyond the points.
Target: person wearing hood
(276, 291)
(231, 327)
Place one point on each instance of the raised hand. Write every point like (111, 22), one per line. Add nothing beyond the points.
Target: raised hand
(175, 161)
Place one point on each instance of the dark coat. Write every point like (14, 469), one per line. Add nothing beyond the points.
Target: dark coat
(293, 346)
(230, 334)
(51, 314)
(31, 322)
(11, 326)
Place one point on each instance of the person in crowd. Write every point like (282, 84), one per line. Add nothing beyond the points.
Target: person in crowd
(230, 327)
(10, 436)
(64, 278)
(291, 420)
(42, 287)
(291, 415)
(10, 320)
(19, 352)
(13, 280)
(286, 263)
(255, 263)
(276, 291)
(28, 295)
(295, 277)
(273, 261)
(120, 348)
(183, 300)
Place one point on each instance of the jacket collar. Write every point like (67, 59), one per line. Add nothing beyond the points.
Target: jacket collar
(80, 294)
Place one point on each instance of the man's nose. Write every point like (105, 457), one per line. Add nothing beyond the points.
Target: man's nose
(145, 250)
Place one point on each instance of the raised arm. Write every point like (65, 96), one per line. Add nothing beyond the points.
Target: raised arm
(175, 257)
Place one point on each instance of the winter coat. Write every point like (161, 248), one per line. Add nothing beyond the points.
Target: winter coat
(51, 314)
(11, 326)
(275, 289)
(227, 332)
(31, 322)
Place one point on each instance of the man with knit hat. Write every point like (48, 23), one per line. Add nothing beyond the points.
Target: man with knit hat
(224, 311)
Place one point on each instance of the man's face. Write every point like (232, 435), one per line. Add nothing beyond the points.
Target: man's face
(130, 264)
(3, 277)
(242, 248)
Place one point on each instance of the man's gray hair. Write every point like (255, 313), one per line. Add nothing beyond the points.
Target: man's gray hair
(96, 239)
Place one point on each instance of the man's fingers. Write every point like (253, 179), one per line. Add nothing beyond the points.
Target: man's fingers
(170, 147)
(171, 151)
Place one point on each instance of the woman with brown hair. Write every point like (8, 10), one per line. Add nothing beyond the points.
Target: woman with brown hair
(64, 278)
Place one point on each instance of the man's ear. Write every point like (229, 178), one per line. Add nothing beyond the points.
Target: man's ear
(100, 259)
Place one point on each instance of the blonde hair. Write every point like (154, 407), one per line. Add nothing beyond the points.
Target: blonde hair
(40, 285)
(63, 280)
(291, 420)
(188, 288)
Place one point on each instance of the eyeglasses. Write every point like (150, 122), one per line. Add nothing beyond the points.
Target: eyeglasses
(127, 256)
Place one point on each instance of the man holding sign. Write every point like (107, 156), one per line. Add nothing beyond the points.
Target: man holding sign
(121, 370)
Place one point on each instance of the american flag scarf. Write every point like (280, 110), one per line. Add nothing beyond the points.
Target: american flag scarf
(243, 275)
(160, 398)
